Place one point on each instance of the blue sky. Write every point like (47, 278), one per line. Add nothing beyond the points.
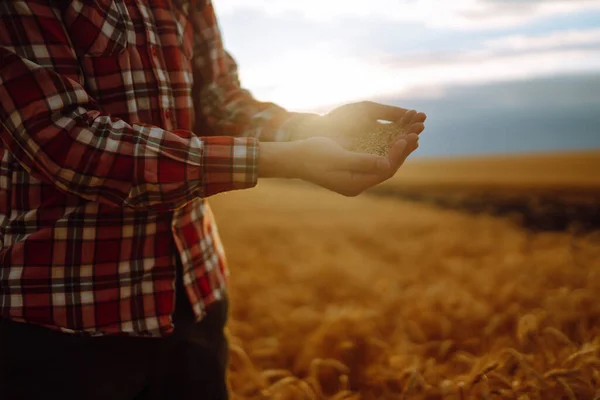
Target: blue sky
(494, 76)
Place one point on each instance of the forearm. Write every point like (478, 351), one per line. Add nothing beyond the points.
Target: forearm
(243, 116)
(276, 160)
(58, 134)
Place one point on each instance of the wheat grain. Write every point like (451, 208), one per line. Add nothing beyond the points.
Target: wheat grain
(378, 139)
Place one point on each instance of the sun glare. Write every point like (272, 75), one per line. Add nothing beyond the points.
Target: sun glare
(328, 79)
(486, 42)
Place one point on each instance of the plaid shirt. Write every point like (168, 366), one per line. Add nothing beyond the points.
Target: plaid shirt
(117, 119)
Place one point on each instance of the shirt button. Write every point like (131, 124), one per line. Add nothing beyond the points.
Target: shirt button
(168, 114)
(153, 50)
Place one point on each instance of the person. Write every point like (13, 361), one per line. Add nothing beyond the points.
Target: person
(118, 119)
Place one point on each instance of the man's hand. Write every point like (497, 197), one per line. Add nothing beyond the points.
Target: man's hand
(357, 118)
(325, 163)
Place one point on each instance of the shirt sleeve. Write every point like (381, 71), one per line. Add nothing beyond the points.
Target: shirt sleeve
(58, 133)
(227, 108)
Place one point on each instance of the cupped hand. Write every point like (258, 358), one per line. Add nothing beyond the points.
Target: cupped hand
(324, 162)
(355, 119)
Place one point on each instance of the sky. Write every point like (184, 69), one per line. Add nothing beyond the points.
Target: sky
(493, 76)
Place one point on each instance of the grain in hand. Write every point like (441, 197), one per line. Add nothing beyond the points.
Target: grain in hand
(378, 140)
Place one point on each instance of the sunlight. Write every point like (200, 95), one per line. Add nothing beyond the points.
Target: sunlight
(330, 79)
(323, 53)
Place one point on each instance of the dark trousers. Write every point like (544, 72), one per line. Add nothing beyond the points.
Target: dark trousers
(37, 363)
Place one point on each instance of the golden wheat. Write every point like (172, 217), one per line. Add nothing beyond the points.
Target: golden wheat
(377, 298)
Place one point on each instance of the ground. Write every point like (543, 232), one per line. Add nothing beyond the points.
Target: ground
(378, 297)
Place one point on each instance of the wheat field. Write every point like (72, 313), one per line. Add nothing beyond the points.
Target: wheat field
(382, 298)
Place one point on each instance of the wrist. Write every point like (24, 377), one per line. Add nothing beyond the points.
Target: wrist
(276, 160)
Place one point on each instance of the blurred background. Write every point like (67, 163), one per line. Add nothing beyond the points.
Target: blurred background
(464, 262)
(494, 76)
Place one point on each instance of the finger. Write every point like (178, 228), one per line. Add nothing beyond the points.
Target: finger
(417, 128)
(413, 144)
(419, 117)
(407, 118)
(384, 112)
(398, 153)
(360, 162)
(401, 150)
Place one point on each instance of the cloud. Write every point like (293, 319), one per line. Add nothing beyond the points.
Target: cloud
(566, 38)
(321, 76)
(307, 62)
(493, 75)
(457, 14)
(549, 114)
(487, 14)
(530, 2)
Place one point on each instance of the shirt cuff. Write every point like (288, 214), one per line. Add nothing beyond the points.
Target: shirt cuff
(228, 163)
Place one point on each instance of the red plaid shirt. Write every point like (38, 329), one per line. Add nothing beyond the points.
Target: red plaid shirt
(117, 119)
